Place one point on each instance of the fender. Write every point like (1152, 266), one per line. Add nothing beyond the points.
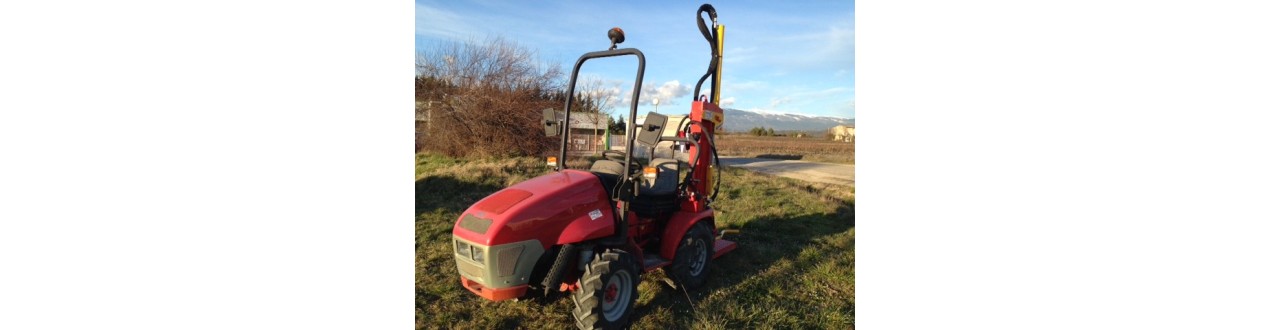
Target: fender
(586, 227)
(679, 226)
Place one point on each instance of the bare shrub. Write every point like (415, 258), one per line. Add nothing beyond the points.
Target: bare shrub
(485, 99)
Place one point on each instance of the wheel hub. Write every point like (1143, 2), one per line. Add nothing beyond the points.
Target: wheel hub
(617, 295)
(610, 293)
(698, 261)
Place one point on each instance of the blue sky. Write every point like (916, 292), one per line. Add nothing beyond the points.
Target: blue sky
(778, 57)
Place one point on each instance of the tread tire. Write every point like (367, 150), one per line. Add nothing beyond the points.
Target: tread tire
(587, 300)
(681, 267)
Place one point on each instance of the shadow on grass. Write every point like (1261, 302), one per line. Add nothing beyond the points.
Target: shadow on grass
(750, 274)
(449, 194)
(771, 255)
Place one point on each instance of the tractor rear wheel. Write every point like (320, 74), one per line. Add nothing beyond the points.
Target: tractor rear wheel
(605, 298)
(692, 258)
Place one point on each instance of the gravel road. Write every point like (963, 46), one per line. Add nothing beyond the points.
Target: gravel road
(842, 174)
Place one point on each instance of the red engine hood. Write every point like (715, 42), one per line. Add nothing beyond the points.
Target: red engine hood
(567, 205)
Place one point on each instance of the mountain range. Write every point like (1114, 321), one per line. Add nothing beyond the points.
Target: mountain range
(736, 120)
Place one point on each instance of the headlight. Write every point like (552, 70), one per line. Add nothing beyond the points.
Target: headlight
(463, 249)
(478, 254)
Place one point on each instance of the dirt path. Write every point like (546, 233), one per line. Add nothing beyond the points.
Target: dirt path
(842, 174)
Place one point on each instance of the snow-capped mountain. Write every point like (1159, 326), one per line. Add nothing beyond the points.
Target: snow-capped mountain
(736, 120)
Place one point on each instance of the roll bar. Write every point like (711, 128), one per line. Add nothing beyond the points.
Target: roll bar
(568, 103)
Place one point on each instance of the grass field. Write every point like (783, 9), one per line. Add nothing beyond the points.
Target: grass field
(808, 148)
(794, 267)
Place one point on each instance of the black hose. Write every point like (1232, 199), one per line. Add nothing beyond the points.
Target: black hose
(714, 151)
(692, 166)
(701, 24)
(712, 38)
(718, 169)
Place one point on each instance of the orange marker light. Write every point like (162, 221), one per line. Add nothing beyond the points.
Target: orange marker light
(551, 161)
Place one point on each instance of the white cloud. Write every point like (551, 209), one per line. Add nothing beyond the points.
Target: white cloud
(665, 94)
(727, 101)
(778, 101)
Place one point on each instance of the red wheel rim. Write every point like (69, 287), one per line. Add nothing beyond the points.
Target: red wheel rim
(610, 292)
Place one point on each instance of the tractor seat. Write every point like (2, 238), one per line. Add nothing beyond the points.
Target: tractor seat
(659, 197)
(667, 178)
(609, 172)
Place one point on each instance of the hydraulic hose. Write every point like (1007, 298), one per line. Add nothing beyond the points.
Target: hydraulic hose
(712, 38)
(718, 169)
(714, 151)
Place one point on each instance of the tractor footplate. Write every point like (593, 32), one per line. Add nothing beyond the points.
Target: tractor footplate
(652, 262)
(723, 246)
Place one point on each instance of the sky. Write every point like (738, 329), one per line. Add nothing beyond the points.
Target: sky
(778, 57)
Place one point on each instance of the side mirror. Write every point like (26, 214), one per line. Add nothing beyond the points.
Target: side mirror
(550, 123)
(650, 133)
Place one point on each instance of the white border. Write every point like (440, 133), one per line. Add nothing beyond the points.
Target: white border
(196, 165)
(1062, 165)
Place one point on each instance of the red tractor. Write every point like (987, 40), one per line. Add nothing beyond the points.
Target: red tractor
(595, 231)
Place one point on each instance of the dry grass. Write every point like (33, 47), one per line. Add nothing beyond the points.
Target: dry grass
(808, 148)
(794, 267)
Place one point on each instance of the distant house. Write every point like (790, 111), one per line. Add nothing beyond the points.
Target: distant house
(673, 123)
(586, 133)
(842, 133)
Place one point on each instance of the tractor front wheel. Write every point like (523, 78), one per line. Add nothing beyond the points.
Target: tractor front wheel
(605, 298)
(692, 258)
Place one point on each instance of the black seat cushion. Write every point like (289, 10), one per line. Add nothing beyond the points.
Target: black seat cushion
(661, 196)
(609, 172)
(667, 178)
(608, 181)
(655, 199)
(646, 205)
(607, 166)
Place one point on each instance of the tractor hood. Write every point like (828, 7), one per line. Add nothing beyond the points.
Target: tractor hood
(556, 208)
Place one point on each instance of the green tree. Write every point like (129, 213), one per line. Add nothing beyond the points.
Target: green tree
(618, 127)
